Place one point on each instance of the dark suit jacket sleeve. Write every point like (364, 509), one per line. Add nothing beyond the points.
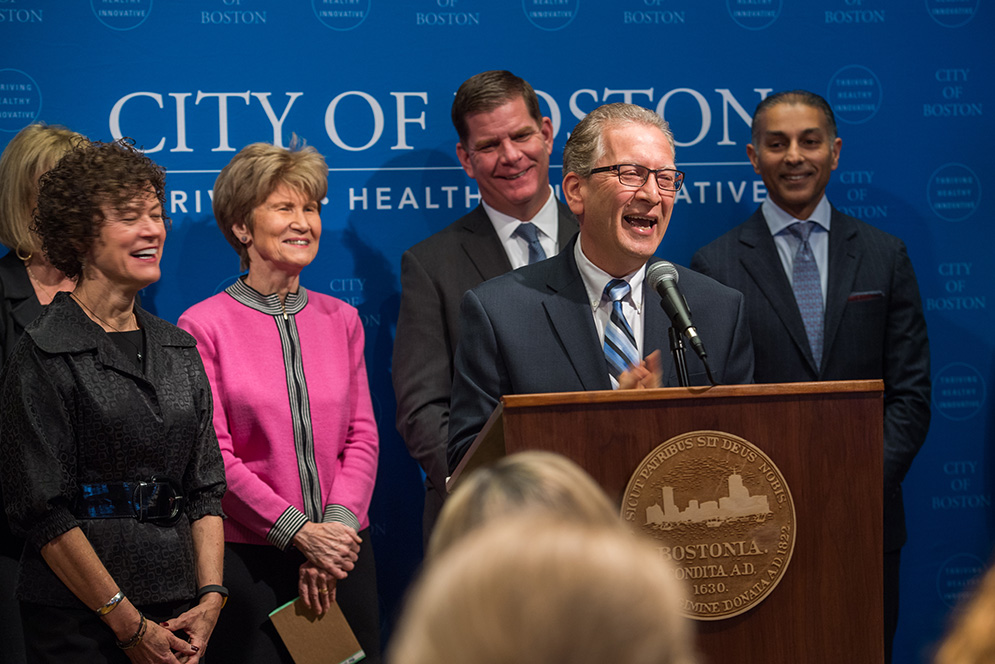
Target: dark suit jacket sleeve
(480, 380)
(907, 386)
(422, 371)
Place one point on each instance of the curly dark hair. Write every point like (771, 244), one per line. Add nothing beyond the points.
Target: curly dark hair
(71, 196)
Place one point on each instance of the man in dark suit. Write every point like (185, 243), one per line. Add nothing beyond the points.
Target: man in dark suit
(504, 144)
(554, 327)
(862, 318)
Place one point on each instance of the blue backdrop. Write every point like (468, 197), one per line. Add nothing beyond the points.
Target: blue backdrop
(370, 82)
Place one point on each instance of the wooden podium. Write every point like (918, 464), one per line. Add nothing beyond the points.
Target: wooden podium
(825, 437)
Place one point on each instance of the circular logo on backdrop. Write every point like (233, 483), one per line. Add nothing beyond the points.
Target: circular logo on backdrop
(20, 100)
(550, 14)
(722, 514)
(754, 14)
(341, 14)
(854, 93)
(957, 577)
(953, 192)
(959, 391)
(118, 15)
(952, 13)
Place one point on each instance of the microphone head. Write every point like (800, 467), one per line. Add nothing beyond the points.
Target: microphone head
(661, 271)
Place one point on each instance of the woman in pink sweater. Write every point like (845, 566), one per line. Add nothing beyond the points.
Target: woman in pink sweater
(292, 412)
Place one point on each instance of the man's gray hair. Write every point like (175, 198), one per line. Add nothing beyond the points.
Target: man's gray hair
(586, 143)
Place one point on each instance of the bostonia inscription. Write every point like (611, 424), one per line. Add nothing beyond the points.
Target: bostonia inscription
(723, 516)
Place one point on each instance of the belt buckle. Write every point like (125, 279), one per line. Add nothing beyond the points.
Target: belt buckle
(157, 501)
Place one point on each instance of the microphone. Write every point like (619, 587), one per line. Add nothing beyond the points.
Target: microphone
(662, 276)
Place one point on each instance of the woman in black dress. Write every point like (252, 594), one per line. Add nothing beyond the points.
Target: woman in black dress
(115, 479)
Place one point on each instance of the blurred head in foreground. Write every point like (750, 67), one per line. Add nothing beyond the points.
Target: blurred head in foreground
(524, 482)
(970, 639)
(536, 590)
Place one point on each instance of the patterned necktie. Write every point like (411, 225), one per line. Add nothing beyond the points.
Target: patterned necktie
(527, 231)
(620, 344)
(808, 288)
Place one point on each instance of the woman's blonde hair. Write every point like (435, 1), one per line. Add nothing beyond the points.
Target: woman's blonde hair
(533, 589)
(255, 173)
(970, 640)
(527, 481)
(33, 151)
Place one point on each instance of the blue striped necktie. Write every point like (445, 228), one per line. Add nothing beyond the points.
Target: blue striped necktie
(808, 288)
(620, 344)
(527, 231)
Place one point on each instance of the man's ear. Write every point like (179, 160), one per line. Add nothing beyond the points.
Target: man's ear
(751, 152)
(546, 131)
(464, 159)
(574, 192)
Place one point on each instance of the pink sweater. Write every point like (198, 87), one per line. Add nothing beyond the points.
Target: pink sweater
(292, 410)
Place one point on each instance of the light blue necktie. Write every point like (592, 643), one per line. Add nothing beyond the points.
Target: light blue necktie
(808, 288)
(527, 231)
(620, 344)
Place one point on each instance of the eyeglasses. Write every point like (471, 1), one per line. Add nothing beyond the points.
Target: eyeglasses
(634, 175)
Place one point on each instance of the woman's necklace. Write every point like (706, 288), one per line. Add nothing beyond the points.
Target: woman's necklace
(138, 351)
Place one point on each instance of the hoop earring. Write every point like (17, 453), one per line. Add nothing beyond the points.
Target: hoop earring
(24, 259)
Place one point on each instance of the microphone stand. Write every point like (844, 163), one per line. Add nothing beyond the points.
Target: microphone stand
(677, 350)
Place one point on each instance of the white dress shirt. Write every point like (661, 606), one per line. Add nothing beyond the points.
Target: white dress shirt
(787, 244)
(595, 279)
(546, 221)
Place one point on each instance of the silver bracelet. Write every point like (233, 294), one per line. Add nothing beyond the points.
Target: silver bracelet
(110, 605)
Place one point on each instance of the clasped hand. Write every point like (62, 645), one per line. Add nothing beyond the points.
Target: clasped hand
(161, 644)
(316, 587)
(332, 547)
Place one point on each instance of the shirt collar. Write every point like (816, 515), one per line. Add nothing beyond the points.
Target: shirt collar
(545, 220)
(778, 220)
(267, 304)
(595, 279)
(65, 328)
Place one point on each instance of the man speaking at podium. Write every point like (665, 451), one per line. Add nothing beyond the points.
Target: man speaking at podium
(583, 319)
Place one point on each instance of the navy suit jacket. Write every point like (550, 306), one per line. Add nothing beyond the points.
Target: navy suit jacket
(874, 328)
(434, 275)
(532, 331)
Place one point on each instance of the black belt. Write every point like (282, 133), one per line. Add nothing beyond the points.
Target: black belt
(153, 501)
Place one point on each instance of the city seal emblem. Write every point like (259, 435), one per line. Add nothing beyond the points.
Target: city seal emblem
(722, 515)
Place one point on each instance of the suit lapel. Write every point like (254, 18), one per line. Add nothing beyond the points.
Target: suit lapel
(843, 261)
(762, 263)
(572, 321)
(656, 328)
(481, 245)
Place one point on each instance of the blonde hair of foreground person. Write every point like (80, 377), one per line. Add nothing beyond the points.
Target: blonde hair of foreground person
(536, 590)
(971, 639)
(533, 481)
